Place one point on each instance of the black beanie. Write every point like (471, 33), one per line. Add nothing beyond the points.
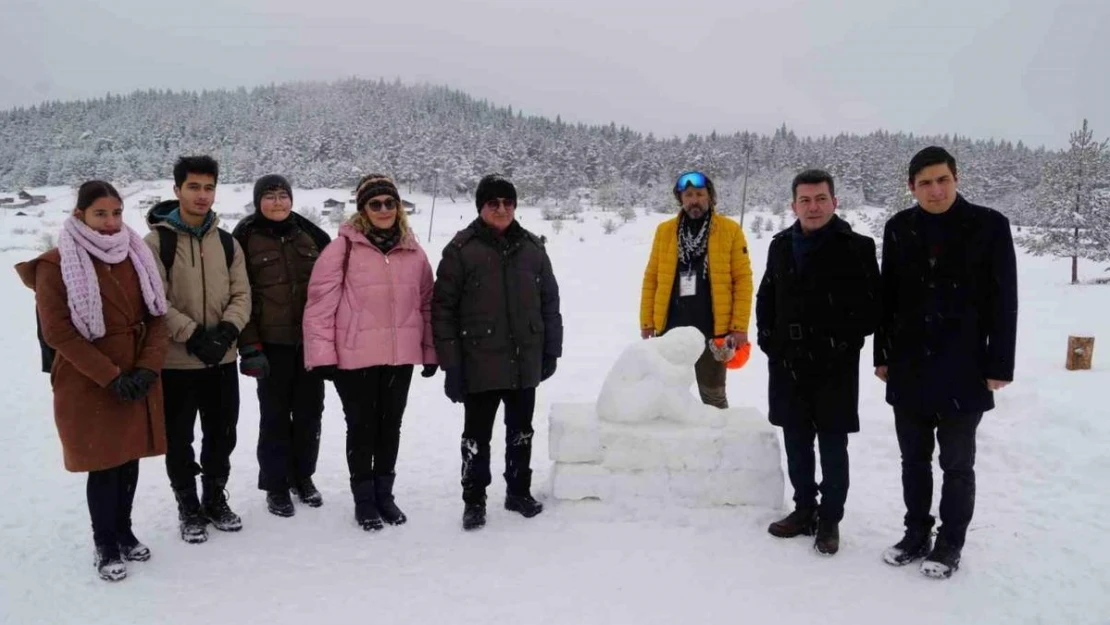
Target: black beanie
(494, 186)
(267, 183)
(374, 185)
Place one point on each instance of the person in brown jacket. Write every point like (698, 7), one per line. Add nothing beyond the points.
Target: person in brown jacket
(209, 304)
(281, 248)
(100, 302)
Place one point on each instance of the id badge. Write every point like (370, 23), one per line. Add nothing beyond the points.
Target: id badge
(687, 284)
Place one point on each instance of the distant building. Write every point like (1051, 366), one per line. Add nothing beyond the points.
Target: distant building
(31, 200)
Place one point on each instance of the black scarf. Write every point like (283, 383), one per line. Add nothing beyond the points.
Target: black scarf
(384, 240)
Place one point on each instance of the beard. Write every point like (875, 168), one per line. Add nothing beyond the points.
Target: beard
(695, 211)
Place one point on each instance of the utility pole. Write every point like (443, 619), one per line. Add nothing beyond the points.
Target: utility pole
(435, 190)
(744, 193)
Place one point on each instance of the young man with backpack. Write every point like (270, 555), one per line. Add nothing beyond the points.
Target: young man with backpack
(209, 301)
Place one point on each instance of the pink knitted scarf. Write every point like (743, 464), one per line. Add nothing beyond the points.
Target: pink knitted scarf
(76, 243)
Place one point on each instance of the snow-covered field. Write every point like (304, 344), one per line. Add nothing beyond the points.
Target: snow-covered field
(1038, 550)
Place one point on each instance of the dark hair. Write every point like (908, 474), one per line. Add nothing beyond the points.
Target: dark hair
(812, 176)
(202, 165)
(928, 157)
(92, 191)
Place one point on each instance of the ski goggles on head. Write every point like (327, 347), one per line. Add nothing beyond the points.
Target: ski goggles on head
(689, 179)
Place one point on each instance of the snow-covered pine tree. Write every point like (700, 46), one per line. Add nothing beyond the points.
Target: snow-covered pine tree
(1071, 218)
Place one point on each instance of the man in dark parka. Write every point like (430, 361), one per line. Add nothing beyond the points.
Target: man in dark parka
(818, 300)
(945, 344)
(498, 333)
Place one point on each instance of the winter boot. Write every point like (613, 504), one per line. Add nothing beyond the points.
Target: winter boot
(109, 565)
(279, 503)
(215, 508)
(366, 506)
(131, 549)
(942, 562)
(307, 493)
(193, 524)
(800, 522)
(518, 480)
(474, 512)
(913, 546)
(828, 538)
(383, 485)
(525, 504)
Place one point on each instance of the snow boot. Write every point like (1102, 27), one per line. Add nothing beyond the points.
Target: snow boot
(366, 506)
(942, 561)
(828, 538)
(280, 503)
(109, 564)
(800, 522)
(193, 524)
(383, 486)
(913, 546)
(307, 493)
(215, 508)
(131, 549)
(518, 479)
(525, 504)
(474, 513)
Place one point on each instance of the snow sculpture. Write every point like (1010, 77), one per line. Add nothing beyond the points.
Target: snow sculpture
(651, 380)
(648, 436)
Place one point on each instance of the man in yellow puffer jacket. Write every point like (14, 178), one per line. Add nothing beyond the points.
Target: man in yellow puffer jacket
(699, 275)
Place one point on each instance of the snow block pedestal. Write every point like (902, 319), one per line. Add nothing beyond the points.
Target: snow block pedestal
(735, 463)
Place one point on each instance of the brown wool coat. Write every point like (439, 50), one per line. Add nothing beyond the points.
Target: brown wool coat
(97, 429)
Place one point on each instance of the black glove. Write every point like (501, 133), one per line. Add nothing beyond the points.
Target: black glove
(328, 372)
(253, 361)
(226, 333)
(144, 379)
(133, 385)
(547, 369)
(429, 371)
(207, 346)
(124, 387)
(454, 386)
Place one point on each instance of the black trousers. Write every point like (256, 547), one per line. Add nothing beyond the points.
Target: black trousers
(480, 414)
(956, 435)
(374, 400)
(802, 467)
(110, 494)
(291, 403)
(214, 392)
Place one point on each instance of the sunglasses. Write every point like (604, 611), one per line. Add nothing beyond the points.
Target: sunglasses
(382, 205)
(694, 179)
(505, 203)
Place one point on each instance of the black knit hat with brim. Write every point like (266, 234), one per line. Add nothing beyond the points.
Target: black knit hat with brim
(492, 187)
(373, 186)
(267, 183)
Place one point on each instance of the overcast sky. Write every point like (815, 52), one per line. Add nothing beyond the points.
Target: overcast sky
(1020, 70)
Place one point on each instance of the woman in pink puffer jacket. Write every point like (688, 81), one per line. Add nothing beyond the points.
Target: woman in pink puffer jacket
(367, 322)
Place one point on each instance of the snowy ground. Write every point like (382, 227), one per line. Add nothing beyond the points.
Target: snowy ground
(1038, 551)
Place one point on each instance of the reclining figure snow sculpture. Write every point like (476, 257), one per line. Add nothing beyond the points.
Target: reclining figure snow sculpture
(647, 436)
(651, 380)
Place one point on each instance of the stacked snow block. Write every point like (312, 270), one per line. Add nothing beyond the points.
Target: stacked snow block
(736, 463)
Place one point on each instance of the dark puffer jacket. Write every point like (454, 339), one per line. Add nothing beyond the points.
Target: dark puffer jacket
(280, 257)
(495, 311)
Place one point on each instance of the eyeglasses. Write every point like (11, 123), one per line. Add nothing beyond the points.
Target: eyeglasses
(382, 205)
(689, 179)
(276, 197)
(496, 203)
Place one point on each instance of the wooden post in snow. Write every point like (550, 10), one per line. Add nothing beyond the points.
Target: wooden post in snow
(1080, 351)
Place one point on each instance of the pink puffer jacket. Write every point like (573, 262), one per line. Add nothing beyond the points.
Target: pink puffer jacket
(376, 311)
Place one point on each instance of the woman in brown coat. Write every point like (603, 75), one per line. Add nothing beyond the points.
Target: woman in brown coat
(101, 303)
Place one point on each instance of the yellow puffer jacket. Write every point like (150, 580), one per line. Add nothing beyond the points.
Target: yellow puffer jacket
(730, 276)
